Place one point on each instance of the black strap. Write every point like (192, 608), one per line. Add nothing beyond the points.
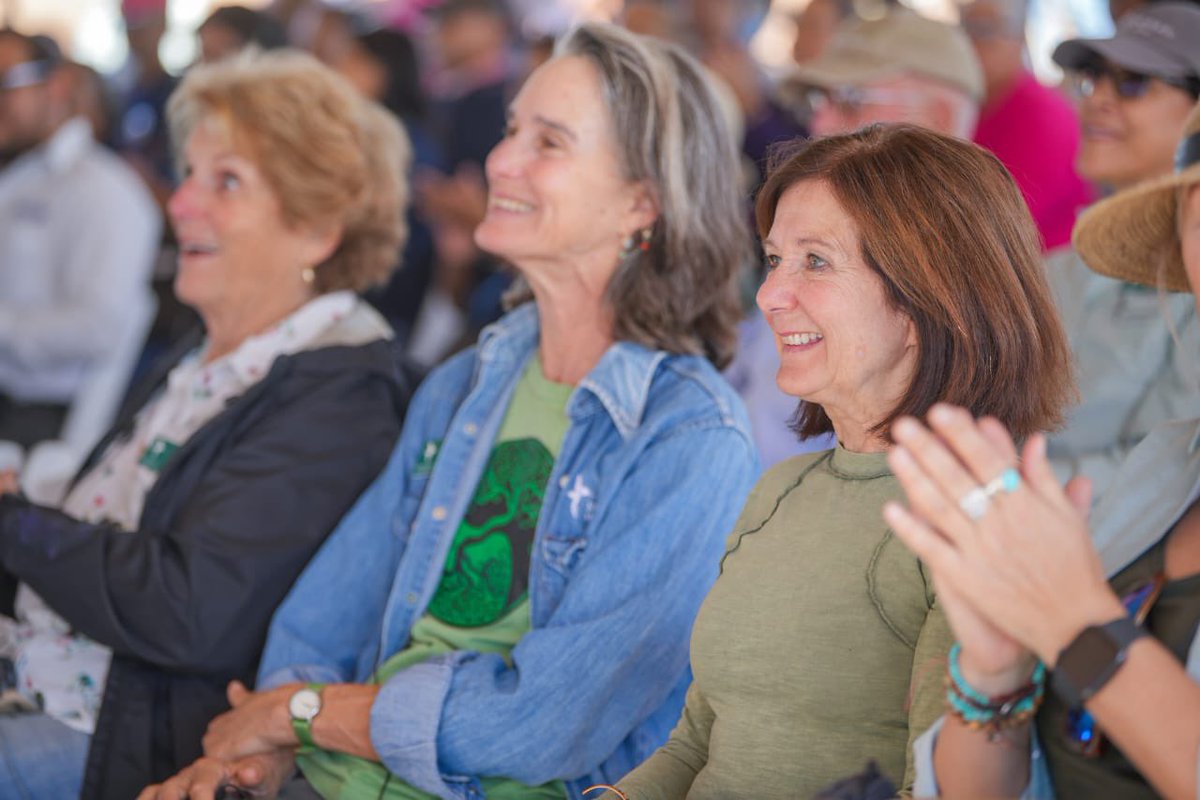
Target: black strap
(1188, 153)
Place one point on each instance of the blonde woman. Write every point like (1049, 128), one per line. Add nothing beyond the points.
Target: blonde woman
(195, 514)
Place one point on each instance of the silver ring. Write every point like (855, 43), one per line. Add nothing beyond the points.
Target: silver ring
(975, 503)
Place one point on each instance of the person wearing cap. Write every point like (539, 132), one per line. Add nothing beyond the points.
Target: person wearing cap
(1112, 612)
(901, 67)
(78, 236)
(1135, 370)
(1032, 128)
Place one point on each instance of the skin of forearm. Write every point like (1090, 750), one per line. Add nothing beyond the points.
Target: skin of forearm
(969, 765)
(344, 724)
(1151, 711)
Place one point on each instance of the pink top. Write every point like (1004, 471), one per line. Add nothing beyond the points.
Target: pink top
(1034, 132)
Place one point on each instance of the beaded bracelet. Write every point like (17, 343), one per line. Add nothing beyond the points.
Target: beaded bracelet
(978, 710)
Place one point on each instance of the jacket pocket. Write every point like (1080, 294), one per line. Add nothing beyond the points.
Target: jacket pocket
(561, 554)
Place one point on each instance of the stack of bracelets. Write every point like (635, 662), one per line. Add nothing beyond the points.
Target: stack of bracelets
(978, 711)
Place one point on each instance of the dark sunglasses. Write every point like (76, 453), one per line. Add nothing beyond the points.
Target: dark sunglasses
(1083, 734)
(1128, 84)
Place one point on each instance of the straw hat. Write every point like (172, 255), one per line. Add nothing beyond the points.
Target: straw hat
(1134, 235)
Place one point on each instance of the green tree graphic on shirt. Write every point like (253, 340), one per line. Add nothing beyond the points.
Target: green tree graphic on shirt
(487, 569)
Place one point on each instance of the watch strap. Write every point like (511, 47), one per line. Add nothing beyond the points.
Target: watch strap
(1076, 686)
(303, 727)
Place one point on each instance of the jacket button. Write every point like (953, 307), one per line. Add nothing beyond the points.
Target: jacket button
(411, 598)
(470, 429)
(439, 513)
(563, 481)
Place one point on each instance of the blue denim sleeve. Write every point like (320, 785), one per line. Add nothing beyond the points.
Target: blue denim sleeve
(610, 653)
(1040, 787)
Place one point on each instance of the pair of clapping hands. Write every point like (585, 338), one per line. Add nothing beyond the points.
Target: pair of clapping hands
(1005, 542)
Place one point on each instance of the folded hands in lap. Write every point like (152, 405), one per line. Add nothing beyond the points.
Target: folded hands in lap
(260, 775)
(251, 746)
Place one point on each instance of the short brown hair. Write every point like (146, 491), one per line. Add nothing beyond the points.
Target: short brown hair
(328, 154)
(680, 294)
(944, 227)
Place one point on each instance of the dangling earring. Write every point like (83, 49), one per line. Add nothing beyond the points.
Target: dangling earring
(639, 241)
(308, 275)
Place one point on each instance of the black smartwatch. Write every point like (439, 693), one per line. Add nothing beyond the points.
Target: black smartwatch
(1089, 662)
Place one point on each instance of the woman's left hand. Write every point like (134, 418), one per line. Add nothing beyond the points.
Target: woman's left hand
(8, 482)
(259, 722)
(1026, 564)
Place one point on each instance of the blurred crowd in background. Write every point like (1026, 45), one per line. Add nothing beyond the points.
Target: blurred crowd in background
(448, 70)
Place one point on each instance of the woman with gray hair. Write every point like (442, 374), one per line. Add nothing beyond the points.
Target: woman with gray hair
(506, 612)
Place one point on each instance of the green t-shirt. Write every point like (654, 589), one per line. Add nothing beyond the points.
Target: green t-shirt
(482, 601)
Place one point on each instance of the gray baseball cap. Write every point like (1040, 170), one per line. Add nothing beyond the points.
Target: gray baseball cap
(1161, 39)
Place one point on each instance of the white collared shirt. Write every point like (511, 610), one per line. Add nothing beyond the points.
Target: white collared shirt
(78, 237)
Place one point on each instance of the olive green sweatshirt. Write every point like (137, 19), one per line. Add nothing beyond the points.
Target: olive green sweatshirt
(806, 648)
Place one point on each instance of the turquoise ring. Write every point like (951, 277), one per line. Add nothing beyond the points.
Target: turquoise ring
(1008, 482)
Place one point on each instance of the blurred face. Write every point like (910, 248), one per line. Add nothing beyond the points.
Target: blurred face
(218, 42)
(1129, 139)
(236, 252)
(997, 39)
(841, 345)
(364, 72)
(144, 34)
(25, 113)
(556, 191)
(894, 98)
(470, 38)
(1189, 236)
(815, 26)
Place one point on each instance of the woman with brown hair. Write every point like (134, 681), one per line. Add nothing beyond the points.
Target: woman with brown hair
(818, 647)
(1098, 618)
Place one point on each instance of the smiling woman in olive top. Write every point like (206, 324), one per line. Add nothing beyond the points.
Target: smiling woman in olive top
(819, 646)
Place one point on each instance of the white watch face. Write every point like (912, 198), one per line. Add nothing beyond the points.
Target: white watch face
(304, 704)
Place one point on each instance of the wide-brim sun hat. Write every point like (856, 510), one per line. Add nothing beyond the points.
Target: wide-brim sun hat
(1134, 235)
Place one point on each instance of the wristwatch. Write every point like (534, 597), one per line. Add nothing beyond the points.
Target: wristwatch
(304, 706)
(1092, 659)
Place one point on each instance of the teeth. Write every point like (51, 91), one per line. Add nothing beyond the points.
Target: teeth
(507, 204)
(797, 339)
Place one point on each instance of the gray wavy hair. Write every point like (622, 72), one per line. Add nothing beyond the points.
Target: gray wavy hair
(680, 295)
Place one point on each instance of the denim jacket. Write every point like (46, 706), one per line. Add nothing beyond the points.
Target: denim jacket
(655, 465)
(1155, 487)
